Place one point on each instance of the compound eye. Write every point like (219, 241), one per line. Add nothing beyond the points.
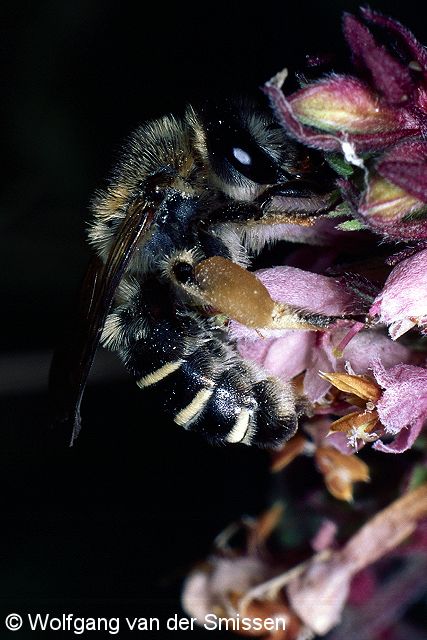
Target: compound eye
(250, 161)
(236, 155)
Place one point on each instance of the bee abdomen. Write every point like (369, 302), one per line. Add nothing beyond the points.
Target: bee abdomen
(213, 392)
(194, 375)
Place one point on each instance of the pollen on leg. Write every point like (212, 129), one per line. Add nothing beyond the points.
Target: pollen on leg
(234, 291)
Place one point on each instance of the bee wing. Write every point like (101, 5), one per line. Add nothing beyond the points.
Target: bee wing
(71, 365)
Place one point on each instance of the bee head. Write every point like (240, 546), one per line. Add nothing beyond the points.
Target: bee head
(248, 152)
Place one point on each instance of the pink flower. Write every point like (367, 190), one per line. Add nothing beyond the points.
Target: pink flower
(402, 304)
(402, 407)
(295, 352)
(287, 353)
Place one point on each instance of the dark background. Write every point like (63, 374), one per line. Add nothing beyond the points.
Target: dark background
(111, 526)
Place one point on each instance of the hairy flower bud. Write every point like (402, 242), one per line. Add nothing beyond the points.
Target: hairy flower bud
(344, 104)
(388, 208)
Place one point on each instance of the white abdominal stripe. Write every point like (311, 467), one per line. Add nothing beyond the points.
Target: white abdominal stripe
(239, 432)
(159, 374)
(225, 399)
(192, 411)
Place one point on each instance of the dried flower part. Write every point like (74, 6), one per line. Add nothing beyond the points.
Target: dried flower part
(273, 610)
(355, 401)
(340, 472)
(263, 526)
(350, 421)
(358, 426)
(290, 450)
(390, 526)
(360, 386)
(319, 592)
(208, 587)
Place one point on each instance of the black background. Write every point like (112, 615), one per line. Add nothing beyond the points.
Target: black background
(111, 526)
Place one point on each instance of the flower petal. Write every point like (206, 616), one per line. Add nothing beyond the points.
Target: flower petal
(306, 290)
(402, 303)
(414, 48)
(284, 357)
(322, 358)
(369, 346)
(403, 441)
(402, 408)
(391, 78)
(303, 289)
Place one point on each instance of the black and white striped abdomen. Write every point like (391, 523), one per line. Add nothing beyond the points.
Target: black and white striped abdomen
(195, 376)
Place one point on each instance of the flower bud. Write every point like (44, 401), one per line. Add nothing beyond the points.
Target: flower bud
(390, 209)
(343, 104)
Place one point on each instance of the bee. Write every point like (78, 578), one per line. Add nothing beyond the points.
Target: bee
(189, 204)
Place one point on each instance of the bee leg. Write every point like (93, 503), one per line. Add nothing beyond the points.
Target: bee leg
(196, 376)
(237, 293)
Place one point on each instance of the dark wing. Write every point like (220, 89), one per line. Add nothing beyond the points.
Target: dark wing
(71, 363)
